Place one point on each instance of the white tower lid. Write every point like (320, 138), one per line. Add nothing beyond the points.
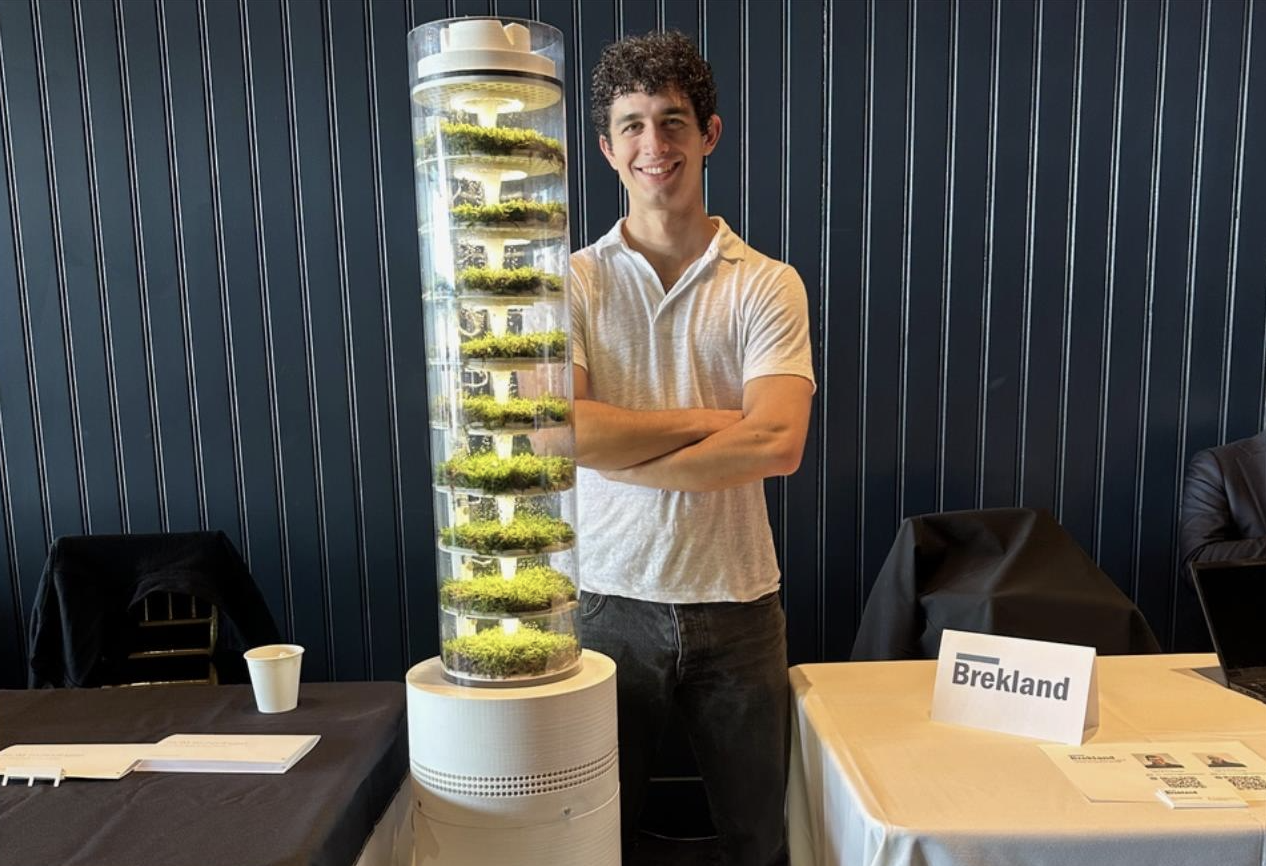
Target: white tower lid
(485, 45)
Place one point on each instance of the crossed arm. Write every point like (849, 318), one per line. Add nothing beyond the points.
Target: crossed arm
(696, 450)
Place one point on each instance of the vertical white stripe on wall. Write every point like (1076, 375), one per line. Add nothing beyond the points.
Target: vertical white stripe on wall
(24, 314)
(1158, 133)
(1070, 258)
(580, 208)
(907, 227)
(142, 270)
(318, 474)
(1109, 280)
(98, 254)
(863, 317)
(784, 227)
(986, 297)
(389, 339)
(1189, 306)
(182, 269)
(1233, 252)
(265, 302)
(221, 263)
(947, 260)
(824, 332)
(345, 323)
(59, 272)
(1030, 227)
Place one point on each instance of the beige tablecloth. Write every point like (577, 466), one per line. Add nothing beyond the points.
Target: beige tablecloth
(874, 782)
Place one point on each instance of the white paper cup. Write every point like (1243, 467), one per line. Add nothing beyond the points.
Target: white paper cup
(274, 673)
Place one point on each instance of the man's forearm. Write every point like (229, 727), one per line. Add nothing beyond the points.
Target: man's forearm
(740, 454)
(768, 441)
(1228, 549)
(612, 438)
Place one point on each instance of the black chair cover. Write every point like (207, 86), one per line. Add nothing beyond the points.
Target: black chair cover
(81, 628)
(1004, 571)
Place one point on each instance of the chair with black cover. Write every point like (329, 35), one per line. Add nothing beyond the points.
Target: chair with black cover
(131, 609)
(1003, 571)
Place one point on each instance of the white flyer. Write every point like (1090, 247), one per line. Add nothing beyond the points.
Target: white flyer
(179, 753)
(74, 760)
(1134, 772)
(226, 753)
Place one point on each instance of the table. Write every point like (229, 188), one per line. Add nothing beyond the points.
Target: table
(320, 813)
(875, 782)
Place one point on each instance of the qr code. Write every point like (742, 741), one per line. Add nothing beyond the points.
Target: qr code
(1247, 783)
(1191, 782)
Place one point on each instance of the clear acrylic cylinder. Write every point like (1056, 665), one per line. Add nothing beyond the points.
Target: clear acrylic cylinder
(489, 127)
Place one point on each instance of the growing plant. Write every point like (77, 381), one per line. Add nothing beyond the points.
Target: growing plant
(526, 652)
(466, 138)
(530, 532)
(485, 471)
(544, 344)
(506, 281)
(530, 589)
(485, 411)
(516, 212)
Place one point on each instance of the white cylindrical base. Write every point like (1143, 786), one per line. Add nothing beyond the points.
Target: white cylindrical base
(523, 775)
(592, 839)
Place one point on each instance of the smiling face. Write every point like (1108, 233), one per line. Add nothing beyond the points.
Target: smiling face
(657, 147)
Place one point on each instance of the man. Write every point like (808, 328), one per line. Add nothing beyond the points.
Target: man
(1224, 504)
(1160, 762)
(693, 383)
(1223, 761)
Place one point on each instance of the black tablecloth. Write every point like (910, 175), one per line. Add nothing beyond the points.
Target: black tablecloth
(319, 813)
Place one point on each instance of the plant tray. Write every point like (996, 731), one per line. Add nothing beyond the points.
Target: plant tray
(494, 654)
(479, 430)
(520, 615)
(507, 554)
(473, 300)
(524, 231)
(509, 429)
(466, 679)
(477, 491)
(531, 164)
(511, 364)
(494, 364)
(467, 299)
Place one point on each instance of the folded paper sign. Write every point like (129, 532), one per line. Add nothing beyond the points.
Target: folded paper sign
(1030, 688)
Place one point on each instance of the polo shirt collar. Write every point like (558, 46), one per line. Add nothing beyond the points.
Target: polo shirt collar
(725, 243)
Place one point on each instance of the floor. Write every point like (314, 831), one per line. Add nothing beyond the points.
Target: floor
(676, 827)
(658, 851)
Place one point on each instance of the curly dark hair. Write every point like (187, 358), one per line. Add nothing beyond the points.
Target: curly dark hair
(652, 63)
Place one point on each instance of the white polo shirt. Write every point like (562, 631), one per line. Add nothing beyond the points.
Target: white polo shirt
(734, 315)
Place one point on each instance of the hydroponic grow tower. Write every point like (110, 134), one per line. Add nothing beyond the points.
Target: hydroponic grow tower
(512, 729)
(489, 125)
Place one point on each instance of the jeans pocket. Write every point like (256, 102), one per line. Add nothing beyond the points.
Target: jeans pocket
(591, 603)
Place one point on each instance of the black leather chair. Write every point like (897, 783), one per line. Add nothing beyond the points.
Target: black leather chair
(123, 609)
(1004, 571)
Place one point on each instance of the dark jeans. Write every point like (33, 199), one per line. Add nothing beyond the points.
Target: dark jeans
(725, 665)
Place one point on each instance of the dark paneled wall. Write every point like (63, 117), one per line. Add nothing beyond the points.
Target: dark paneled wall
(1031, 234)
